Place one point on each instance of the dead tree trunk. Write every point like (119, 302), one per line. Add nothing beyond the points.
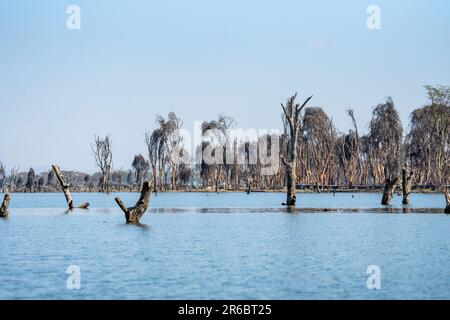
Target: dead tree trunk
(154, 179)
(292, 114)
(65, 188)
(388, 191)
(291, 178)
(134, 214)
(447, 200)
(248, 182)
(4, 208)
(406, 184)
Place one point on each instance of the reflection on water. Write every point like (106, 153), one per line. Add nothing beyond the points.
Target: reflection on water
(192, 246)
(228, 200)
(300, 210)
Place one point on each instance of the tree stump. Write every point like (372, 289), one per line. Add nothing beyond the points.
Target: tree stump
(447, 200)
(291, 176)
(65, 188)
(388, 191)
(134, 214)
(406, 184)
(4, 208)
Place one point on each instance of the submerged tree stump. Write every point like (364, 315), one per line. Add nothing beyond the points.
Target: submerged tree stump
(65, 188)
(291, 179)
(406, 184)
(388, 191)
(447, 200)
(4, 208)
(134, 214)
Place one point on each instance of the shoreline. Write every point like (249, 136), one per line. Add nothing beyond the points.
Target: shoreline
(127, 190)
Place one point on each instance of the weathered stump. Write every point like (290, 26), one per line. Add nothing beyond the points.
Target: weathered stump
(447, 200)
(388, 191)
(134, 214)
(65, 188)
(291, 177)
(406, 184)
(4, 208)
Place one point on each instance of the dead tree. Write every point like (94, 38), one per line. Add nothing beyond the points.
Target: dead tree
(348, 152)
(385, 137)
(4, 208)
(30, 180)
(134, 214)
(389, 188)
(428, 140)
(174, 144)
(2, 175)
(103, 158)
(65, 188)
(447, 200)
(406, 184)
(152, 142)
(140, 166)
(292, 114)
(319, 142)
(216, 136)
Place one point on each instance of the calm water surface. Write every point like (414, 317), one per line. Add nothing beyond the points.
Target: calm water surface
(231, 253)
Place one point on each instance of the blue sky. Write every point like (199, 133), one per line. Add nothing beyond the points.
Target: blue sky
(132, 60)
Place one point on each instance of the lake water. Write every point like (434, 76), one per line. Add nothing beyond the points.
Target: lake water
(223, 246)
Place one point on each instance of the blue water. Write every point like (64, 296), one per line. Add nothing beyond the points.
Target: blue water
(226, 254)
(226, 200)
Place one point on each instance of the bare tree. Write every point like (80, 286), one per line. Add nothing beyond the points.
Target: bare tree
(51, 178)
(140, 167)
(152, 142)
(348, 152)
(184, 174)
(293, 119)
(320, 141)
(12, 179)
(19, 182)
(30, 180)
(117, 180)
(161, 147)
(216, 134)
(103, 158)
(86, 179)
(249, 169)
(2, 175)
(428, 140)
(130, 178)
(41, 183)
(164, 146)
(174, 144)
(386, 135)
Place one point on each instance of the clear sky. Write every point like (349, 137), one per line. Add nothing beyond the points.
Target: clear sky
(134, 59)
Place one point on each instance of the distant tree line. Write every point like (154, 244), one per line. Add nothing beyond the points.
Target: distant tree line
(320, 157)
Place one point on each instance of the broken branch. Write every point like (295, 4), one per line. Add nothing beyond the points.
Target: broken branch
(65, 188)
(134, 214)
